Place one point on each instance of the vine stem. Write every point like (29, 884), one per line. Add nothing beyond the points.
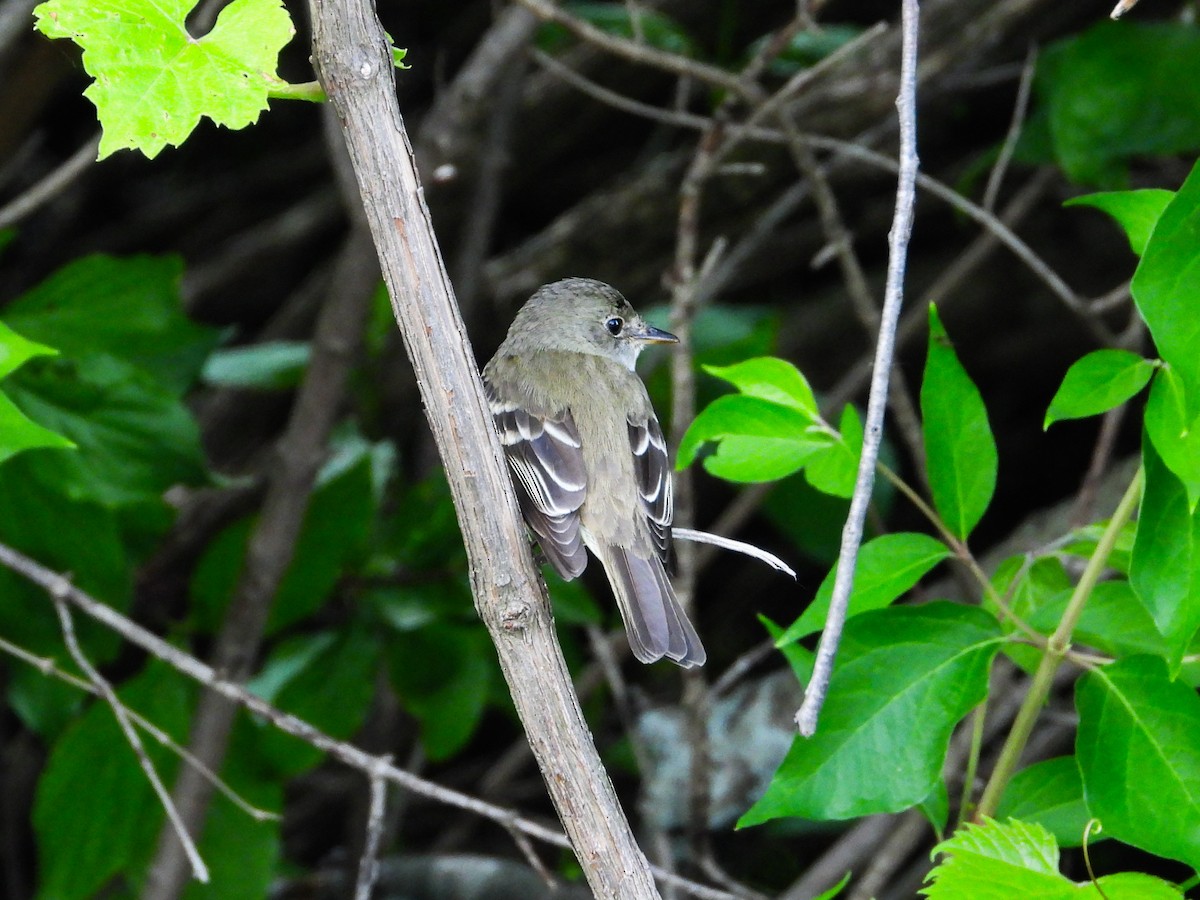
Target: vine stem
(1055, 652)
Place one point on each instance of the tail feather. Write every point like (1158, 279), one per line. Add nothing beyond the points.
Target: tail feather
(655, 623)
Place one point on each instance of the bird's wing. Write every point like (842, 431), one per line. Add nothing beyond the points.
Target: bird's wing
(653, 471)
(545, 454)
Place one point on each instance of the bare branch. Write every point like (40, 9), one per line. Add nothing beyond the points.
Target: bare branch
(50, 186)
(353, 62)
(105, 690)
(368, 863)
(636, 52)
(814, 696)
(48, 667)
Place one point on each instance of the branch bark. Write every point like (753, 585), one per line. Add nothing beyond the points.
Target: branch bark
(353, 63)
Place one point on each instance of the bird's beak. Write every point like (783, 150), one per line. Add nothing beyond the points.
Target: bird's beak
(652, 335)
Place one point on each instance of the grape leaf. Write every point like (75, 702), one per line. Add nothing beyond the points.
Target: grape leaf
(154, 80)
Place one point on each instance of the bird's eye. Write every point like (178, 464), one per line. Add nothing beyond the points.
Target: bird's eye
(614, 325)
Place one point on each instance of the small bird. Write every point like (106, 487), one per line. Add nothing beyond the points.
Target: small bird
(588, 455)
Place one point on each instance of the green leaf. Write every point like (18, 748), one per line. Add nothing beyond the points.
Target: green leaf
(39, 523)
(443, 675)
(1166, 285)
(128, 307)
(16, 350)
(905, 676)
(573, 604)
(154, 81)
(1174, 432)
(274, 365)
(835, 469)
(993, 861)
(959, 447)
(1165, 569)
(1098, 382)
(1034, 587)
(936, 807)
(1049, 794)
(1139, 756)
(1114, 621)
(799, 657)
(835, 890)
(888, 567)
(1082, 543)
(769, 378)
(326, 679)
(92, 784)
(134, 439)
(336, 526)
(758, 440)
(1137, 212)
(1151, 106)
(242, 854)
(17, 431)
(806, 48)
(990, 861)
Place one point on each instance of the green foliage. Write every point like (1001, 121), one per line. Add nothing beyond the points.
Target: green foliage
(1139, 757)
(154, 81)
(1165, 569)
(1173, 433)
(906, 676)
(1135, 211)
(772, 429)
(960, 450)
(90, 773)
(1050, 794)
(1150, 104)
(888, 567)
(126, 355)
(333, 537)
(325, 678)
(1098, 382)
(807, 47)
(91, 438)
(273, 365)
(896, 667)
(994, 861)
(1166, 287)
(17, 431)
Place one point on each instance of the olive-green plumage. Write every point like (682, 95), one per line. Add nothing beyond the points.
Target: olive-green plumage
(588, 455)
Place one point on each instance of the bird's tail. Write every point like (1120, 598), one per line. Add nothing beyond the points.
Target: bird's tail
(655, 623)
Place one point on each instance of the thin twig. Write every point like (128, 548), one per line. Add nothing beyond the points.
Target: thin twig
(887, 857)
(1020, 108)
(368, 863)
(851, 150)
(531, 857)
(59, 595)
(814, 696)
(634, 51)
(1055, 652)
(50, 186)
(47, 667)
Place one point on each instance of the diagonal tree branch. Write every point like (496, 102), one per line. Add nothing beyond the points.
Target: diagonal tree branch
(353, 63)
